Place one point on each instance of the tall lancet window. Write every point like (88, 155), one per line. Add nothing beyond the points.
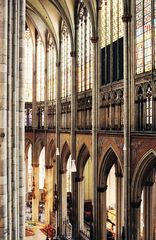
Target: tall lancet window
(111, 41)
(144, 25)
(84, 49)
(51, 69)
(65, 61)
(28, 66)
(40, 70)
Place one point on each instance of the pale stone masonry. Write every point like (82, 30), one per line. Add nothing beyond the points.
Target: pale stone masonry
(12, 194)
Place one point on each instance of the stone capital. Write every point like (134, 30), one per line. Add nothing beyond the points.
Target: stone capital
(101, 189)
(58, 64)
(79, 179)
(73, 54)
(126, 18)
(35, 164)
(136, 204)
(62, 171)
(94, 39)
(49, 166)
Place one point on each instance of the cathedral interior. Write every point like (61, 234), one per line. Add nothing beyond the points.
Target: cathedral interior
(77, 119)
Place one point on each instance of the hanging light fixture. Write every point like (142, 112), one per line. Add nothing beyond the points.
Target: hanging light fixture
(73, 166)
(57, 151)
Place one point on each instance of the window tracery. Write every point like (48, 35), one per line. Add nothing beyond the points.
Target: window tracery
(51, 70)
(28, 66)
(143, 36)
(40, 71)
(84, 49)
(111, 41)
(65, 61)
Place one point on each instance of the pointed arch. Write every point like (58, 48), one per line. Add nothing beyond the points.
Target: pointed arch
(39, 144)
(65, 153)
(50, 156)
(82, 159)
(142, 171)
(109, 159)
(28, 142)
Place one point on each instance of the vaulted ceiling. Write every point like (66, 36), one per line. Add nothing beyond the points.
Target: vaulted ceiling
(48, 14)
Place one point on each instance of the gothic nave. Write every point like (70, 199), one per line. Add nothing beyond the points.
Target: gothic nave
(78, 119)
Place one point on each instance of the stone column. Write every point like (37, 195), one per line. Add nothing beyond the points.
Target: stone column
(80, 205)
(3, 117)
(73, 144)
(12, 27)
(63, 199)
(127, 20)
(35, 200)
(135, 215)
(21, 121)
(15, 123)
(148, 221)
(46, 88)
(9, 121)
(49, 192)
(58, 79)
(99, 64)
(119, 206)
(101, 233)
(94, 129)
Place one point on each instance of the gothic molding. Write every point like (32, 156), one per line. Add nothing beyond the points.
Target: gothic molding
(35, 164)
(127, 18)
(48, 166)
(79, 179)
(73, 53)
(102, 189)
(62, 171)
(94, 39)
(136, 204)
(58, 64)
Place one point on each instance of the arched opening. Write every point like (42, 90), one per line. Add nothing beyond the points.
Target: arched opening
(143, 198)
(29, 183)
(66, 192)
(111, 204)
(84, 191)
(110, 197)
(41, 184)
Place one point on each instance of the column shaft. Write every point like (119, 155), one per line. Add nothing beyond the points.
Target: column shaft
(3, 117)
(126, 20)
(94, 131)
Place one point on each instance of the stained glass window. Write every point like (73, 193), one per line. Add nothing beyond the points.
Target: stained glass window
(40, 70)
(28, 66)
(143, 36)
(84, 49)
(66, 70)
(51, 70)
(111, 21)
(111, 41)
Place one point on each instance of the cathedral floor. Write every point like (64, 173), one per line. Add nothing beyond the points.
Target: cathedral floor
(37, 234)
